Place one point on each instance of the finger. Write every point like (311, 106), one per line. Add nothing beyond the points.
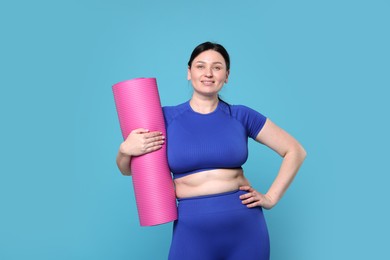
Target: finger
(253, 201)
(249, 200)
(140, 130)
(157, 143)
(154, 148)
(247, 195)
(245, 187)
(155, 139)
(149, 142)
(254, 204)
(153, 134)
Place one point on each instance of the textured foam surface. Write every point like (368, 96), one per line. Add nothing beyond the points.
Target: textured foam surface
(138, 106)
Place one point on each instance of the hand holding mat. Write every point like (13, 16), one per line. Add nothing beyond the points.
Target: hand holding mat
(138, 106)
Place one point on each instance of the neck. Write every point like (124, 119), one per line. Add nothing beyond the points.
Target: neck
(204, 105)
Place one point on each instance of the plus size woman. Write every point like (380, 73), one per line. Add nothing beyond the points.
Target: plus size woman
(220, 214)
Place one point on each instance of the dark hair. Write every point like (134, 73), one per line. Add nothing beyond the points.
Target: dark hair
(210, 46)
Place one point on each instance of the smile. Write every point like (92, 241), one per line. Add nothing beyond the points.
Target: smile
(207, 82)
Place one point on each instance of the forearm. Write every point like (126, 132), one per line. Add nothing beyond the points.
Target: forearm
(140, 141)
(123, 162)
(291, 163)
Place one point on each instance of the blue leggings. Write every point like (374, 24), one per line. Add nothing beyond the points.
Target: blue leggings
(219, 227)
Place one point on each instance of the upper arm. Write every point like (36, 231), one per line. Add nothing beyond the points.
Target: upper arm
(277, 139)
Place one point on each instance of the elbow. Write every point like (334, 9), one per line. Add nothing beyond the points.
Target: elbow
(297, 151)
(126, 171)
(302, 152)
(123, 164)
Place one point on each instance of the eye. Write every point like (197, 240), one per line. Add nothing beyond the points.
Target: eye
(199, 67)
(217, 68)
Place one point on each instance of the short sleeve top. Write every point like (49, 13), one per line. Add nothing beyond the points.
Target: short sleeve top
(198, 142)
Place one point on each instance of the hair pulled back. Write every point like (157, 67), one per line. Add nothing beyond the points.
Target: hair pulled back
(210, 46)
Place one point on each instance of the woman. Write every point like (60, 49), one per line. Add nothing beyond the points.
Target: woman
(220, 214)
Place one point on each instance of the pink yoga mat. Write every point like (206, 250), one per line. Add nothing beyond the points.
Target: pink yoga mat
(138, 106)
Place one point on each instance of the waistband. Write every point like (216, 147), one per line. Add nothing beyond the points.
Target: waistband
(220, 202)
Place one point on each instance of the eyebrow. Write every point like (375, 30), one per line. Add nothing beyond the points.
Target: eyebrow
(216, 62)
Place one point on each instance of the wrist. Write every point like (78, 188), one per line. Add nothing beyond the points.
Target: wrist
(273, 200)
(124, 151)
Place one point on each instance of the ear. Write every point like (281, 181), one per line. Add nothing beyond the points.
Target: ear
(189, 73)
(227, 76)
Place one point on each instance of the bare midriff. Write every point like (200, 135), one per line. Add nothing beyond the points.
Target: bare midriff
(210, 182)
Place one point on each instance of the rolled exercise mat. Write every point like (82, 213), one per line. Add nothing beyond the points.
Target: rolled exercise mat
(138, 106)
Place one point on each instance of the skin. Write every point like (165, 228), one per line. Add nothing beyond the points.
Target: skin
(208, 74)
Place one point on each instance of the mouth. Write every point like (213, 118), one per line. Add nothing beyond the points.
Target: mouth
(207, 82)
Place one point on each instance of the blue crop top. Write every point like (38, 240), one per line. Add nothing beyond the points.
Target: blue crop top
(198, 142)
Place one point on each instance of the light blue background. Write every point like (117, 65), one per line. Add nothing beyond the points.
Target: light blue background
(319, 69)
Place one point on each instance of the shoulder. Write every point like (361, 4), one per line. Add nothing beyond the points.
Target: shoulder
(242, 110)
(176, 108)
(171, 112)
(251, 119)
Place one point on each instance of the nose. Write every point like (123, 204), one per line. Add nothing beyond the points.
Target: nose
(209, 72)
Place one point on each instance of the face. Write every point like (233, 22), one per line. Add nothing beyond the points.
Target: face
(208, 73)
